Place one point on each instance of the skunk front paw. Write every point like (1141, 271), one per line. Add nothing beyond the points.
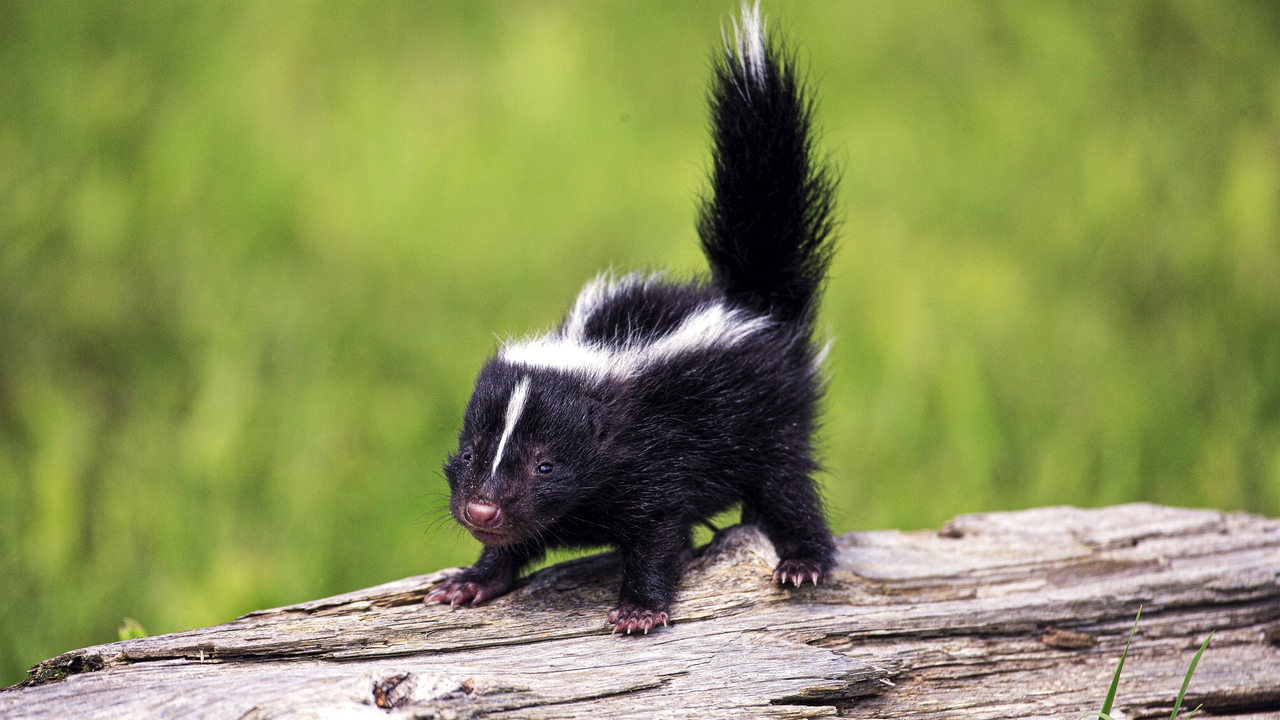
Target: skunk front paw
(463, 590)
(628, 618)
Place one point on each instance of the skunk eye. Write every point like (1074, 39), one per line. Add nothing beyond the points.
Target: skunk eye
(543, 469)
(466, 456)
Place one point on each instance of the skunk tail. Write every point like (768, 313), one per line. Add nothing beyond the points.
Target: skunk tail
(767, 228)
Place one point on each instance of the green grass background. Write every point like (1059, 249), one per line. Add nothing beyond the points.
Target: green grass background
(251, 255)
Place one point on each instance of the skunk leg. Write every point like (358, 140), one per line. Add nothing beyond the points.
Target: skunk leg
(791, 517)
(651, 572)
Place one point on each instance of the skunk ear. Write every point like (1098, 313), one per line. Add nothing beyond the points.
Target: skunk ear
(599, 421)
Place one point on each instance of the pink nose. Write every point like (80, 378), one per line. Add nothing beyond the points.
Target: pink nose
(482, 514)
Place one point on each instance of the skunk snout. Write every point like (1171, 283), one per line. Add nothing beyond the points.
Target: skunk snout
(482, 514)
(487, 523)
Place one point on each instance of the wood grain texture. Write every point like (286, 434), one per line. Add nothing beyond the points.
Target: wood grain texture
(997, 615)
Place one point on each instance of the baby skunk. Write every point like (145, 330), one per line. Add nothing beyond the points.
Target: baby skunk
(656, 404)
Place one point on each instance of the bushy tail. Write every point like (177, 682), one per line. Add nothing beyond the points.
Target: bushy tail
(767, 227)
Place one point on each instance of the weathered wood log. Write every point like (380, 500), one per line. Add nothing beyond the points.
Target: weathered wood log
(1019, 614)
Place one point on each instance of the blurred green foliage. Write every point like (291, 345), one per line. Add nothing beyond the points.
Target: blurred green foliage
(251, 255)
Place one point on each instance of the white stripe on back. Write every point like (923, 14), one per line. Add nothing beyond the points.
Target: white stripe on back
(592, 294)
(711, 326)
(515, 406)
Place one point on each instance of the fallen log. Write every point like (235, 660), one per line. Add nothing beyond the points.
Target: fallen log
(1020, 614)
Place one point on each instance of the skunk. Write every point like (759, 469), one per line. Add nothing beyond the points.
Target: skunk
(656, 403)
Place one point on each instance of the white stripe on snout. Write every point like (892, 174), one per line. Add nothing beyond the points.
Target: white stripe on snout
(515, 406)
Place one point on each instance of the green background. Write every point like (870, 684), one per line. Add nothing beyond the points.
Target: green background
(252, 254)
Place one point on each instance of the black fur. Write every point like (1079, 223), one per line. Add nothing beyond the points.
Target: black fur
(657, 404)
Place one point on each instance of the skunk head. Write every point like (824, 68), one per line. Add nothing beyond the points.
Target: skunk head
(530, 448)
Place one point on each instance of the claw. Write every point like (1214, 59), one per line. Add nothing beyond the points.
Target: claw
(628, 620)
(794, 572)
(454, 592)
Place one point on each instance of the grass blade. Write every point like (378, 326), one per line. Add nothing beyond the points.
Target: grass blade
(1177, 705)
(1115, 679)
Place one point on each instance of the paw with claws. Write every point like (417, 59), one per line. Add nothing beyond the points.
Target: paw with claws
(795, 571)
(629, 618)
(462, 590)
